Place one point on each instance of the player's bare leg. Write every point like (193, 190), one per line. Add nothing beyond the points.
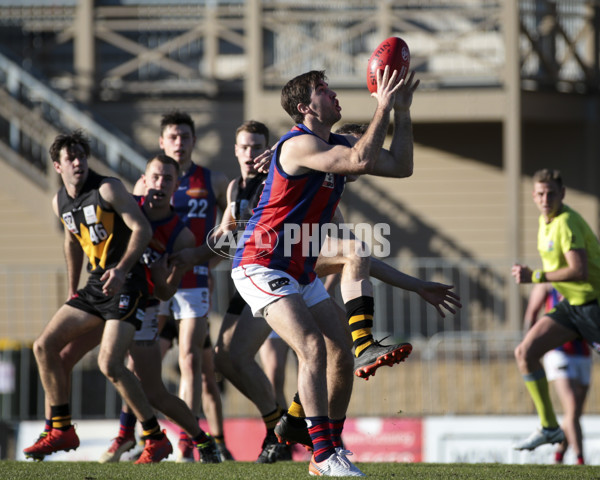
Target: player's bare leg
(273, 357)
(67, 324)
(542, 337)
(339, 359)
(116, 340)
(350, 258)
(147, 367)
(309, 332)
(240, 338)
(292, 320)
(211, 402)
(192, 333)
(572, 394)
(69, 356)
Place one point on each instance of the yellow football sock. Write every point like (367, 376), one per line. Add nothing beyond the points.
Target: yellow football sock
(537, 384)
(151, 429)
(272, 418)
(359, 313)
(60, 416)
(296, 409)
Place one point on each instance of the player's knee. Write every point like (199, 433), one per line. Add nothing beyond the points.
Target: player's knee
(343, 360)
(523, 357)
(41, 346)
(313, 350)
(518, 352)
(190, 361)
(231, 361)
(38, 350)
(110, 367)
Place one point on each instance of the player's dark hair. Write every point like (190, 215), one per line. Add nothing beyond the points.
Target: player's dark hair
(165, 160)
(252, 126)
(298, 90)
(546, 175)
(69, 140)
(357, 129)
(176, 117)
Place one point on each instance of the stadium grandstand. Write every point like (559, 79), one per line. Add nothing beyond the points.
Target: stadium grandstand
(507, 87)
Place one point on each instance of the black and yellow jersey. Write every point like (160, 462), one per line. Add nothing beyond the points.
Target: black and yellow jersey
(100, 230)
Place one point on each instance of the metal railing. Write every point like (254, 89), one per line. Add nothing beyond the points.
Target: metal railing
(32, 114)
(197, 47)
(149, 48)
(463, 364)
(453, 44)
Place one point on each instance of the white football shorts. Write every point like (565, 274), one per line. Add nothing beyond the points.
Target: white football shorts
(259, 286)
(187, 303)
(558, 364)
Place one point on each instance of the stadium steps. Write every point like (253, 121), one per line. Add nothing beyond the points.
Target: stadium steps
(30, 234)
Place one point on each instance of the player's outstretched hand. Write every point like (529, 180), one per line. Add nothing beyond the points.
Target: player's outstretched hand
(440, 296)
(387, 87)
(404, 95)
(263, 161)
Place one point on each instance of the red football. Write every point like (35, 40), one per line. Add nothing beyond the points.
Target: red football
(392, 51)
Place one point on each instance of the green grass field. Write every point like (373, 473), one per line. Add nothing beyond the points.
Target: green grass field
(10, 470)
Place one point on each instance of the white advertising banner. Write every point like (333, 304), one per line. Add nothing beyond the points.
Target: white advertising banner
(95, 437)
(490, 439)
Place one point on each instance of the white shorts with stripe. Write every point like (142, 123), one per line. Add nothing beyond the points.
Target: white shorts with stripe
(259, 286)
(187, 303)
(558, 364)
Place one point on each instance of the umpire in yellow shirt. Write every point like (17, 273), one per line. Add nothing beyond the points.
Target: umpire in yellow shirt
(570, 255)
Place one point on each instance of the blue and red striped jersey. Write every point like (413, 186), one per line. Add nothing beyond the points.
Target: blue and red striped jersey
(285, 230)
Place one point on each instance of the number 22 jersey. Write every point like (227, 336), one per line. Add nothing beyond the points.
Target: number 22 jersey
(195, 203)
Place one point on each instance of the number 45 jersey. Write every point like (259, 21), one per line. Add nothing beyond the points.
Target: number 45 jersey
(100, 230)
(195, 203)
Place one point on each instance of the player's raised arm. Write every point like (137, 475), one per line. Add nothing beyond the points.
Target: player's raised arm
(398, 160)
(301, 154)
